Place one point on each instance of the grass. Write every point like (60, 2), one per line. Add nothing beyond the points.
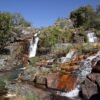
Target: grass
(33, 60)
(32, 97)
(2, 84)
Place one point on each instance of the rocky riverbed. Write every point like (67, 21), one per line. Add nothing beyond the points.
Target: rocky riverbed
(55, 76)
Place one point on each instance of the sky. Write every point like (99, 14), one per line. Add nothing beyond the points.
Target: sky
(43, 13)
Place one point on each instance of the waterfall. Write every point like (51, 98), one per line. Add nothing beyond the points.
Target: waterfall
(92, 37)
(84, 70)
(33, 46)
(68, 57)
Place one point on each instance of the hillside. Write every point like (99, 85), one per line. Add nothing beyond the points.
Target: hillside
(59, 62)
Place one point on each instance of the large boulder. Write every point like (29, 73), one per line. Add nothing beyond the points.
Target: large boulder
(57, 81)
(95, 77)
(89, 89)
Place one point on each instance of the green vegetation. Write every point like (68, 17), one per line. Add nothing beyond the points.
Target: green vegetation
(54, 35)
(86, 17)
(33, 60)
(2, 85)
(8, 22)
(5, 28)
(32, 97)
(86, 47)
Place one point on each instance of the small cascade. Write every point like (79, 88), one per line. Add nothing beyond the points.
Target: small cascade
(68, 57)
(33, 45)
(92, 37)
(86, 66)
(84, 70)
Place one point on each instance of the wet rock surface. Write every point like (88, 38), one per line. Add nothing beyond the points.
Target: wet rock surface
(26, 91)
(91, 87)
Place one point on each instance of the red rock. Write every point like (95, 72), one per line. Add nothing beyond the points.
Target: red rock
(61, 82)
(67, 82)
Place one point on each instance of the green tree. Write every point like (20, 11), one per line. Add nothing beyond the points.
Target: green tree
(8, 22)
(85, 16)
(6, 26)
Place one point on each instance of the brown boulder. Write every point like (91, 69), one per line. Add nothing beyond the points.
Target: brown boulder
(62, 82)
(57, 81)
(89, 89)
(67, 82)
(95, 77)
(52, 80)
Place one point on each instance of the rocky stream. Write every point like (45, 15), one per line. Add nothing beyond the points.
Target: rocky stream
(26, 76)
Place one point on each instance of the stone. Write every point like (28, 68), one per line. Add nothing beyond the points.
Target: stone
(97, 67)
(67, 82)
(89, 89)
(40, 80)
(61, 82)
(95, 77)
(57, 97)
(52, 80)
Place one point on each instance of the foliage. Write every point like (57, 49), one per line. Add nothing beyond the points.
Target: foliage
(2, 84)
(86, 16)
(7, 23)
(32, 97)
(33, 60)
(5, 28)
(54, 35)
(86, 47)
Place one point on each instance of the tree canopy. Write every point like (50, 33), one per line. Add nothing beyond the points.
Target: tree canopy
(7, 23)
(5, 28)
(87, 17)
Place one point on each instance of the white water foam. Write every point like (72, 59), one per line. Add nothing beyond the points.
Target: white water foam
(33, 46)
(72, 93)
(92, 37)
(10, 95)
(68, 57)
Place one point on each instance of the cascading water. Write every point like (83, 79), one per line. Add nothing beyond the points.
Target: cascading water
(68, 57)
(72, 93)
(86, 66)
(33, 46)
(92, 37)
(84, 70)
